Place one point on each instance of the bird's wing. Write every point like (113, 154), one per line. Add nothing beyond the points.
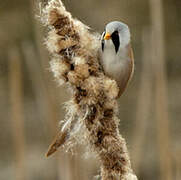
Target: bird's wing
(130, 71)
(62, 137)
(131, 55)
(58, 141)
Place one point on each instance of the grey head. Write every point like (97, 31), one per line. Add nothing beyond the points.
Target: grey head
(118, 32)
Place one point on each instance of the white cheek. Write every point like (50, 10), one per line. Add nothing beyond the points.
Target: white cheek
(108, 43)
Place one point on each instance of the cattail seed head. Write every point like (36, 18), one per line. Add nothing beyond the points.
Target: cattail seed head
(92, 111)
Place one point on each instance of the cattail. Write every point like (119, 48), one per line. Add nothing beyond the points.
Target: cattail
(92, 111)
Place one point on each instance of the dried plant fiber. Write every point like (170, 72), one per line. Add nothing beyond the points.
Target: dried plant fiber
(92, 111)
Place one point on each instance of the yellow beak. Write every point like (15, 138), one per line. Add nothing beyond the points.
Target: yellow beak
(107, 36)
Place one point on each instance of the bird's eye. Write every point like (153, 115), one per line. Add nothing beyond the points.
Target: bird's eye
(115, 40)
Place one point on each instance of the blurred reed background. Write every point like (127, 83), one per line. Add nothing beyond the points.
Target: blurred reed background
(31, 102)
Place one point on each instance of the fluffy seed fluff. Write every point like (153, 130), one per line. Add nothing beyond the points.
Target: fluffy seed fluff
(92, 112)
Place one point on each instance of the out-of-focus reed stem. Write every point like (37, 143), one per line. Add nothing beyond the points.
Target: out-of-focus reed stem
(161, 96)
(178, 164)
(17, 117)
(38, 83)
(144, 101)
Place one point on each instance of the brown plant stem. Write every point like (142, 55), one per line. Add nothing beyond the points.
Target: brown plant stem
(144, 101)
(161, 101)
(17, 117)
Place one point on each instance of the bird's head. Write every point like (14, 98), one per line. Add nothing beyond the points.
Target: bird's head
(116, 33)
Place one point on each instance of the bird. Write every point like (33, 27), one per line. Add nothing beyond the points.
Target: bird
(116, 54)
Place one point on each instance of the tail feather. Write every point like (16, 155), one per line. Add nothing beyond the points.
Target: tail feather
(58, 141)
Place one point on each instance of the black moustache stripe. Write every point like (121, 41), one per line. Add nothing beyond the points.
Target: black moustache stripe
(115, 40)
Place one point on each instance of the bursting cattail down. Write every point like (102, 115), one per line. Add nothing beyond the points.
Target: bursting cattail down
(92, 111)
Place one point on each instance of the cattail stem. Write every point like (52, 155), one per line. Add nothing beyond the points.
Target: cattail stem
(161, 101)
(92, 111)
(144, 102)
(16, 94)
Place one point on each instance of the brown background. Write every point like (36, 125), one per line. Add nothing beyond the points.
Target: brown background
(31, 102)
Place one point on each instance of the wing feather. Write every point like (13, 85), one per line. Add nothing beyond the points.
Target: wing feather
(130, 71)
